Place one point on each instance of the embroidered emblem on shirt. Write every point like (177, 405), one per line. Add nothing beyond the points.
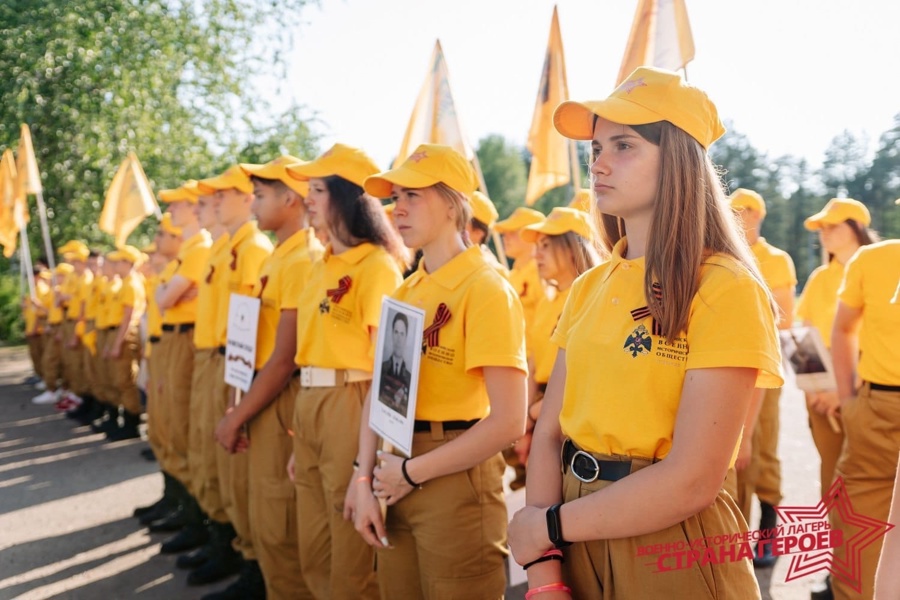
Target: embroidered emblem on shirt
(341, 290)
(639, 314)
(324, 306)
(430, 337)
(262, 285)
(234, 257)
(639, 342)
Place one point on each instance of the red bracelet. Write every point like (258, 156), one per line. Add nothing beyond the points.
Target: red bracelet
(550, 587)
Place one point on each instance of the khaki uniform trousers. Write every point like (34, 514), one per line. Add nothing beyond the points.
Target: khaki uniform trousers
(72, 360)
(51, 362)
(123, 372)
(176, 349)
(337, 563)
(763, 475)
(89, 364)
(868, 465)
(36, 352)
(613, 569)
(273, 497)
(106, 393)
(449, 537)
(156, 424)
(828, 443)
(201, 444)
(232, 472)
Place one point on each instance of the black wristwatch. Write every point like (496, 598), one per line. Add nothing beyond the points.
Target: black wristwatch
(554, 527)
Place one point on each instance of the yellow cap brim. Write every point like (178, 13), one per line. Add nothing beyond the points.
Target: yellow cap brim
(177, 195)
(277, 173)
(382, 185)
(223, 182)
(575, 120)
(530, 234)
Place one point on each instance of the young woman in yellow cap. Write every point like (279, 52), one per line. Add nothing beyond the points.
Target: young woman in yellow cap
(660, 349)
(564, 249)
(445, 530)
(337, 319)
(843, 227)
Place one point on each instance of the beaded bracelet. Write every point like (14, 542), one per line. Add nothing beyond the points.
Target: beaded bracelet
(554, 554)
(406, 475)
(550, 587)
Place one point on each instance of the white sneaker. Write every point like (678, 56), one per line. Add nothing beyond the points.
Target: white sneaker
(40, 386)
(47, 397)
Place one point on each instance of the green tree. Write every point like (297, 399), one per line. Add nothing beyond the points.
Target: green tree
(504, 173)
(880, 183)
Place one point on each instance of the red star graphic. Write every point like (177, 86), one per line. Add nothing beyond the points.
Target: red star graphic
(629, 86)
(859, 531)
(418, 156)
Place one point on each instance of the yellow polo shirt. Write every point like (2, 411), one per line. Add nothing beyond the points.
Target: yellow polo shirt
(207, 300)
(191, 260)
(282, 277)
(92, 299)
(480, 325)
(541, 328)
(333, 318)
(106, 310)
(624, 384)
(57, 309)
(32, 313)
(130, 293)
(78, 289)
(869, 284)
(154, 319)
(247, 249)
(818, 301)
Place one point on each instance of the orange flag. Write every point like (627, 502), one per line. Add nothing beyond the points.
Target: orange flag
(26, 164)
(550, 161)
(434, 119)
(13, 207)
(660, 37)
(129, 200)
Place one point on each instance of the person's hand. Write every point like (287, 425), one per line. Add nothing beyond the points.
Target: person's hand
(388, 481)
(745, 453)
(522, 448)
(528, 538)
(290, 468)
(825, 403)
(190, 294)
(228, 432)
(367, 515)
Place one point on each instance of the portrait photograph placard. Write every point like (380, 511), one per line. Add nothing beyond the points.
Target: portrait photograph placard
(240, 348)
(808, 358)
(395, 380)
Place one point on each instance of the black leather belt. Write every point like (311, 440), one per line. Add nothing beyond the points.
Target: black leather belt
(884, 388)
(180, 328)
(154, 339)
(221, 350)
(586, 468)
(421, 426)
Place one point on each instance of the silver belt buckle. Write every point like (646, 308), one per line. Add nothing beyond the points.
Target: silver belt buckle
(591, 459)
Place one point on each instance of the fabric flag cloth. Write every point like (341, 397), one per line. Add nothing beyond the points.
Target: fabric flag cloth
(434, 119)
(660, 37)
(129, 200)
(550, 160)
(13, 205)
(26, 164)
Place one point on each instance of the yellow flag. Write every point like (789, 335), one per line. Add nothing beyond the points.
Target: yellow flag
(129, 200)
(26, 164)
(660, 37)
(13, 206)
(434, 119)
(550, 161)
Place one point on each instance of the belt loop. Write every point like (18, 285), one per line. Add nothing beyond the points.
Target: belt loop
(437, 430)
(341, 377)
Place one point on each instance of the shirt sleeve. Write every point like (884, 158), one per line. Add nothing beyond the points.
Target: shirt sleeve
(382, 279)
(193, 264)
(495, 327)
(851, 291)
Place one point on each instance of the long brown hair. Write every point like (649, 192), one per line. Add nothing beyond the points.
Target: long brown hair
(578, 251)
(864, 235)
(691, 221)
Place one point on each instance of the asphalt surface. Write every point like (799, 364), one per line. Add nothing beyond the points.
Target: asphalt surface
(66, 499)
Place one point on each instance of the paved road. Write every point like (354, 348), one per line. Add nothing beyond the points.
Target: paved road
(66, 498)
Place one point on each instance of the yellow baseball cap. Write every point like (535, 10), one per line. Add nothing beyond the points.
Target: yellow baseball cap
(428, 165)
(64, 269)
(275, 169)
(648, 95)
(234, 178)
(165, 224)
(837, 211)
(521, 217)
(344, 161)
(483, 209)
(561, 219)
(149, 248)
(125, 253)
(75, 250)
(581, 200)
(187, 192)
(744, 199)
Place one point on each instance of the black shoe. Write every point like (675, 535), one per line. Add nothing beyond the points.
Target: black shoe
(190, 537)
(823, 593)
(83, 409)
(108, 423)
(147, 453)
(128, 430)
(223, 560)
(249, 586)
(174, 521)
(94, 412)
(140, 511)
(768, 520)
(192, 560)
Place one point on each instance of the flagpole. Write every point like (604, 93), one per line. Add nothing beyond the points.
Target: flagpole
(25, 259)
(45, 230)
(576, 171)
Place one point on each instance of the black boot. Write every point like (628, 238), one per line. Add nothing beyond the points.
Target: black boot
(160, 508)
(86, 406)
(108, 422)
(197, 558)
(768, 520)
(128, 430)
(223, 560)
(95, 411)
(147, 454)
(249, 586)
(176, 518)
(193, 533)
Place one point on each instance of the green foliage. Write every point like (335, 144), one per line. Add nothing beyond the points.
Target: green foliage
(504, 171)
(12, 325)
